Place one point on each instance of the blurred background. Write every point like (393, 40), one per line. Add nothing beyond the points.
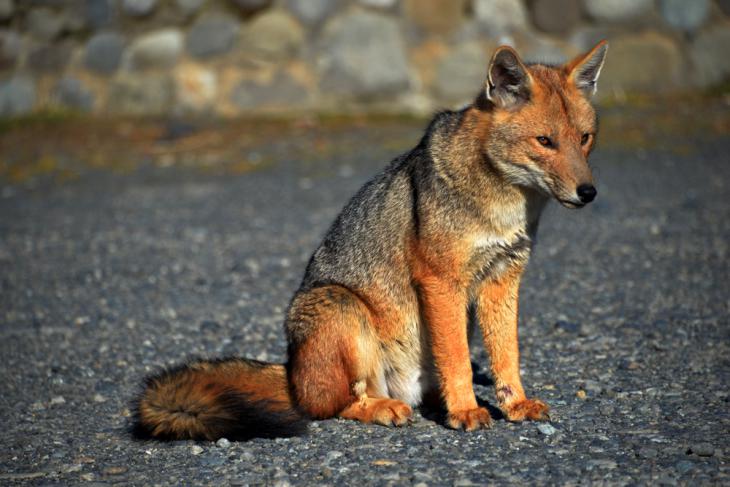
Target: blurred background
(242, 57)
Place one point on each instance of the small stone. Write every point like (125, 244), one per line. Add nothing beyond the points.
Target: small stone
(702, 449)
(566, 326)
(684, 466)
(7, 8)
(212, 35)
(71, 93)
(196, 449)
(592, 386)
(223, 443)
(248, 456)
(683, 15)
(273, 36)
(157, 49)
(331, 456)
(99, 398)
(37, 406)
(138, 8)
(249, 7)
(617, 10)
(602, 463)
(546, 429)
(58, 400)
(87, 477)
(210, 326)
(104, 52)
(581, 394)
(44, 23)
(647, 453)
(555, 16)
(312, 12)
(383, 463)
(212, 460)
(607, 409)
(115, 470)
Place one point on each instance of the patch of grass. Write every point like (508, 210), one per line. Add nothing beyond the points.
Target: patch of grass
(40, 120)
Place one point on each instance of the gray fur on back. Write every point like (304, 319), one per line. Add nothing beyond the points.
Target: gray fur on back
(368, 238)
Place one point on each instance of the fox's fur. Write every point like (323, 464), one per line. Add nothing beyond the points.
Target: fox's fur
(380, 319)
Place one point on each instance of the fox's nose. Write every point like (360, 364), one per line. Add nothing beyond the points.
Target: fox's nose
(586, 193)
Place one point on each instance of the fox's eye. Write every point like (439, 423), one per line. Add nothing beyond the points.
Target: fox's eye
(545, 141)
(584, 139)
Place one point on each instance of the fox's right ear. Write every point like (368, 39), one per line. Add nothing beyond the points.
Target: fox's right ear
(508, 82)
(583, 71)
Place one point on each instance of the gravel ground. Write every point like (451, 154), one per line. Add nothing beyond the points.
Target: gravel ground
(111, 275)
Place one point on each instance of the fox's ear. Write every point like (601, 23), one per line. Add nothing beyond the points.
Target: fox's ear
(508, 82)
(583, 71)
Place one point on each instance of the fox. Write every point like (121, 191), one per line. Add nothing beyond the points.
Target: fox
(381, 321)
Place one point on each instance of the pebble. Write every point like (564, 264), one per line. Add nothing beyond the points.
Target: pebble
(196, 449)
(116, 470)
(702, 449)
(648, 453)
(212, 460)
(58, 400)
(546, 429)
(684, 466)
(602, 463)
(223, 443)
(37, 406)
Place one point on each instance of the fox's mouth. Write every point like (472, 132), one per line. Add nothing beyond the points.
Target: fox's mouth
(572, 204)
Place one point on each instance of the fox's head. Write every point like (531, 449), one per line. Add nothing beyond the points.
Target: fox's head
(542, 124)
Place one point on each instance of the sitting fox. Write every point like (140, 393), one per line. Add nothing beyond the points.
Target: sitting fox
(380, 322)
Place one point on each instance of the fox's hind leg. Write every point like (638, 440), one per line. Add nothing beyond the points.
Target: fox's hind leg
(334, 361)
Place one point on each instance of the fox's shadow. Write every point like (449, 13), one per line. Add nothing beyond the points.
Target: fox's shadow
(433, 410)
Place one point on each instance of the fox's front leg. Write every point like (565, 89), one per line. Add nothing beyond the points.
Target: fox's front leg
(497, 310)
(444, 308)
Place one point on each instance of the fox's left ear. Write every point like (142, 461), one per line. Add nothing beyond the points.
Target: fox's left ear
(583, 71)
(508, 81)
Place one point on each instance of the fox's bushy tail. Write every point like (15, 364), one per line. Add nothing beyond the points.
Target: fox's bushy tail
(238, 399)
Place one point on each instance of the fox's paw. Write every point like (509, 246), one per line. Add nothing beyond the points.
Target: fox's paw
(391, 412)
(469, 419)
(530, 409)
(385, 411)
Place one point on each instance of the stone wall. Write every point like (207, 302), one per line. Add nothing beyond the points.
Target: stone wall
(233, 57)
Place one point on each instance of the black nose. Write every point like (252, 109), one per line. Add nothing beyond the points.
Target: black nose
(586, 193)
